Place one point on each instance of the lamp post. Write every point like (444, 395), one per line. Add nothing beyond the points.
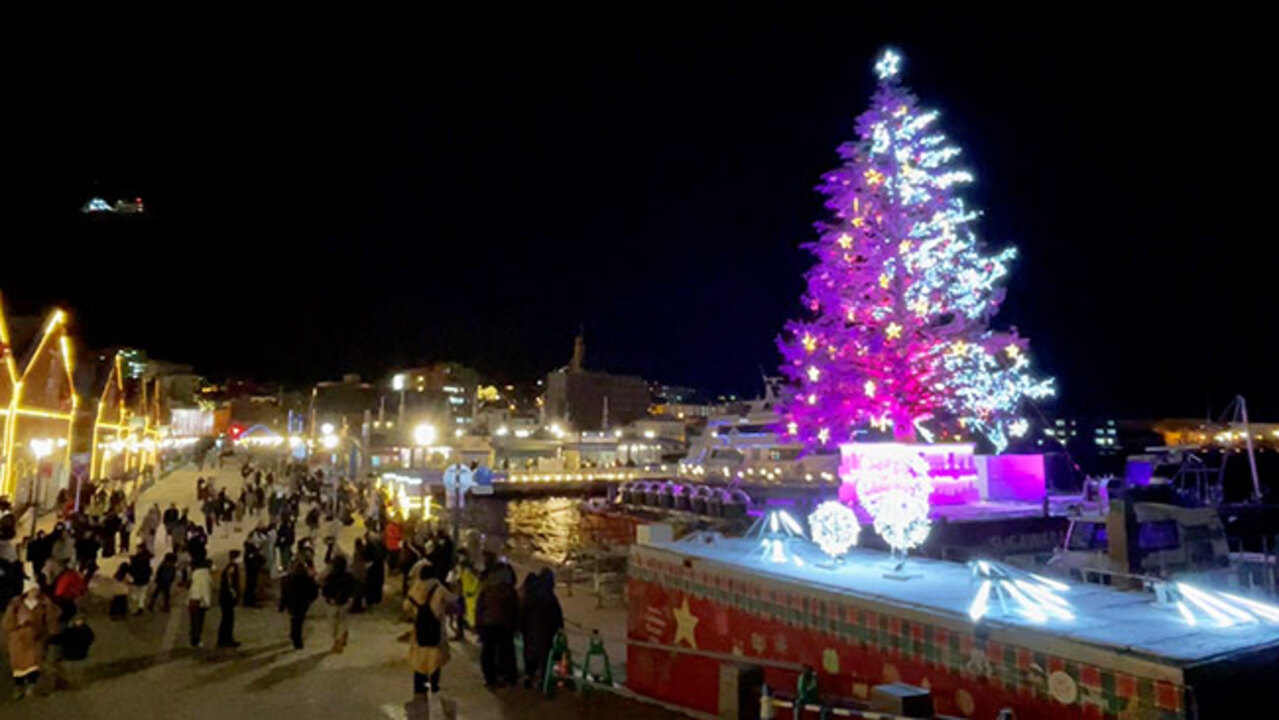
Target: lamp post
(424, 436)
(41, 449)
(397, 383)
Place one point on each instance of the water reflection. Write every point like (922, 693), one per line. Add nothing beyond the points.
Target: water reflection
(548, 528)
(545, 529)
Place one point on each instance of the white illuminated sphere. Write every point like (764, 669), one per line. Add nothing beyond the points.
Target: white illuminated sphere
(901, 518)
(834, 527)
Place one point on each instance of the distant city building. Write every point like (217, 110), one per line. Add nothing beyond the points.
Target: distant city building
(587, 400)
(342, 404)
(689, 411)
(673, 394)
(446, 393)
(135, 363)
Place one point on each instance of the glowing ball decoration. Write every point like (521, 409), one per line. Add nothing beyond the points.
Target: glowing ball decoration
(901, 518)
(834, 527)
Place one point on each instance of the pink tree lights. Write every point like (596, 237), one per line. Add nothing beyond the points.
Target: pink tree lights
(898, 307)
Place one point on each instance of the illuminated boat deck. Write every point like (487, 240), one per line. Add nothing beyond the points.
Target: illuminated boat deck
(1113, 621)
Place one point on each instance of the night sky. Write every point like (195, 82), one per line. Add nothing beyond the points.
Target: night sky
(324, 200)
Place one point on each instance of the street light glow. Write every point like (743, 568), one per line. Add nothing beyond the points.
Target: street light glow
(424, 434)
(397, 382)
(330, 442)
(326, 429)
(41, 448)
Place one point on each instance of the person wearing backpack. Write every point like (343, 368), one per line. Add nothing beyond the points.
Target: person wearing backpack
(297, 591)
(428, 602)
(339, 586)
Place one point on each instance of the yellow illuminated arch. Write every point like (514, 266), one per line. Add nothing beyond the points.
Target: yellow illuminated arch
(43, 401)
(110, 423)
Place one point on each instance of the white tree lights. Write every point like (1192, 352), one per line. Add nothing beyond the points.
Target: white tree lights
(834, 527)
(901, 518)
(893, 482)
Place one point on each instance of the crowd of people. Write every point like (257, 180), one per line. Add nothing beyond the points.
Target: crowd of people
(291, 518)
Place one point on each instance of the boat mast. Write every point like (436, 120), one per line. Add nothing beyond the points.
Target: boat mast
(1252, 457)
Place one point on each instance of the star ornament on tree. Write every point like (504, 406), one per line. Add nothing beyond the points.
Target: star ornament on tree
(887, 66)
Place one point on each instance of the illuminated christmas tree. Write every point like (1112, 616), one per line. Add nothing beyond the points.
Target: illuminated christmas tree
(898, 307)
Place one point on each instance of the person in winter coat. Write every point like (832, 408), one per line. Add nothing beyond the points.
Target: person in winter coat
(541, 617)
(466, 580)
(339, 586)
(297, 591)
(86, 551)
(199, 598)
(254, 561)
(313, 522)
(10, 579)
(39, 549)
(359, 575)
(428, 602)
(110, 533)
(75, 641)
(375, 577)
(140, 577)
(496, 618)
(68, 587)
(30, 621)
(284, 538)
(229, 590)
(165, 575)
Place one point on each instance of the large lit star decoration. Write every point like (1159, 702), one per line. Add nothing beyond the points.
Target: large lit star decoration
(834, 527)
(902, 293)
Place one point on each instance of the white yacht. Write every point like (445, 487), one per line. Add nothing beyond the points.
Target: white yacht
(743, 445)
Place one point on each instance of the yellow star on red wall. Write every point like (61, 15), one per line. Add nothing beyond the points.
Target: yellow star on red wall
(685, 625)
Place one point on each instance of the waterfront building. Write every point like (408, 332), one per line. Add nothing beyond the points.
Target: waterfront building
(586, 400)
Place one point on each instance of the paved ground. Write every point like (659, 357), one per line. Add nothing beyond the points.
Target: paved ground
(143, 665)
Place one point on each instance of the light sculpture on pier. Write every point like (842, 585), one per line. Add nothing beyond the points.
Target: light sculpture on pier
(834, 528)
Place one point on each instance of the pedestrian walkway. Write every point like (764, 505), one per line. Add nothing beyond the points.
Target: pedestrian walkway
(142, 666)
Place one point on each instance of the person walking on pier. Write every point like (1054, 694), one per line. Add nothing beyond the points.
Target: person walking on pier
(541, 617)
(497, 616)
(30, 621)
(228, 596)
(199, 598)
(428, 602)
(297, 591)
(139, 578)
(339, 586)
(165, 576)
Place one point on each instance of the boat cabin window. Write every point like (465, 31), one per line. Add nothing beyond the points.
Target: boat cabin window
(748, 429)
(1157, 535)
(1087, 536)
(783, 453)
(727, 454)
